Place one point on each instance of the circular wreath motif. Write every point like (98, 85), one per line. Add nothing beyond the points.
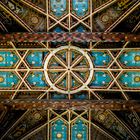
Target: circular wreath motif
(68, 69)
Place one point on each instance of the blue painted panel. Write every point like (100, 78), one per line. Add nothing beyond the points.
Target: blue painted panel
(100, 59)
(36, 79)
(101, 79)
(130, 79)
(35, 59)
(80, 7)
(8, 59)
(79, 130)
(8, 80)
(58, 7)
(130, 58)
(59, 130)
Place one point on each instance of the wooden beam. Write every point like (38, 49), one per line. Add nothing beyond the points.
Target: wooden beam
(65, 37)
(132, 105)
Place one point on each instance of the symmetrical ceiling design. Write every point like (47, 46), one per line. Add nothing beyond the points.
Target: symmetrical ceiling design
(81, 85)
(69, 69)
(40, 71)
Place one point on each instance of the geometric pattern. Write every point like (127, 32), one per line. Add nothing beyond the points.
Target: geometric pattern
(69, 16)
(69, 37)
(69, 69)
(80, 54)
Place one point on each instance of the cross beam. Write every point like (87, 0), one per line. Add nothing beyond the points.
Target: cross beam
(132, 105)
(66, 37)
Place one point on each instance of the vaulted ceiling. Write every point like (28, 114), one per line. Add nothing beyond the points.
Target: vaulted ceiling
(69, 70)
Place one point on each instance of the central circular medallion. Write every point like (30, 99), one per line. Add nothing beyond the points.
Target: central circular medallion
(68, 69)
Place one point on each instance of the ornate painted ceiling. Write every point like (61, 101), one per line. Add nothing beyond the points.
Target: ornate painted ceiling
(69, 70)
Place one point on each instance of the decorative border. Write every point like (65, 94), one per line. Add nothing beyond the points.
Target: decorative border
(132, 105)
(65, 37)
